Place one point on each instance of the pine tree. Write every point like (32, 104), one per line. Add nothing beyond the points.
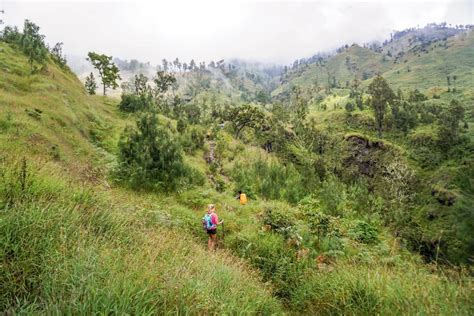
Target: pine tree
(150, 156)
(90, 84)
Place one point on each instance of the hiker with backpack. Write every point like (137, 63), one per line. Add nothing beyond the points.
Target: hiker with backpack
(242, 197)
(210, 222)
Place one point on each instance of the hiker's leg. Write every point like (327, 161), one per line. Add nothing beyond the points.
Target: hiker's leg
(213, 239)
(209, 243)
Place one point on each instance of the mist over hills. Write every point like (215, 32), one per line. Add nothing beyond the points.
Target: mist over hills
(357, 167)
(414, 49)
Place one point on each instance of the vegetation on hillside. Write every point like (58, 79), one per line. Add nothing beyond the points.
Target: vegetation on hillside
(101, 199)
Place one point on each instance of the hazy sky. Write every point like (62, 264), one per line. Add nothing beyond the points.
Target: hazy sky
(269, 31)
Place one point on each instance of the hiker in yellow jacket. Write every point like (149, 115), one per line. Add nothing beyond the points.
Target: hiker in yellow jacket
(242, 197)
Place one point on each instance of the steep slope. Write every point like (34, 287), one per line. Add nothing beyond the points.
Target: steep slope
(409, 61)
(81, 245)
(71, 244)
(337, 71)
(429, 70)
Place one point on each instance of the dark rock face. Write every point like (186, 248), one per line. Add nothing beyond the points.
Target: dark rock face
(363, 154)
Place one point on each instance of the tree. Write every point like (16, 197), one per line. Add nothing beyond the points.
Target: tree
(246, 116)
(57, 53)
(403, 114)
(90, 84)
(163, 81)
(108, 71)
(140, 83)
(177, 64)
(299, 106)
(11, 35)
(381, 96)
(262, 97)
(150, 156)
(192, 65)
(165, 64)
(448, 129)
(32, 44)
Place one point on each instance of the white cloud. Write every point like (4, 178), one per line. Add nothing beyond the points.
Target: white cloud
(204, 30)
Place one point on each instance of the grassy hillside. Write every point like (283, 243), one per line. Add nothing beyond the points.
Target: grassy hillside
(339, 70)
(75, 240)
(417, 66)
(428, 71)
(93, 250)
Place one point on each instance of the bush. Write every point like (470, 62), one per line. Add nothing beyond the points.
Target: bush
(332, 195)
(363, 232)
(31, 43)
(134, 103)
(193, 138)
(150, 156)
(277, 218)
(270, 180)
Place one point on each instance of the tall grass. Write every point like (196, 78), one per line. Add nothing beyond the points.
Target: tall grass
(63, 250)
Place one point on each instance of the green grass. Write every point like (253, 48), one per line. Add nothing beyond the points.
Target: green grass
(70, 250)
(77, 246)
(72, 242)
(424, 71)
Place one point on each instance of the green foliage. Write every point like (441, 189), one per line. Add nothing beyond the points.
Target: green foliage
(151, 157)
(448, 128)
(349, 107)
(364, 232)
(246, 116)
(90, 84)
(58, 57)
(381, 96)
(108, 71)
(270, 180)
(278, 219)
(332, 195)
(299, 106)
(30, 42)
(192, 138)
(134, 103)
(404, 116)
(163, 82)
(192, 113)
(416, 96)
(181, 125)
(140, 83)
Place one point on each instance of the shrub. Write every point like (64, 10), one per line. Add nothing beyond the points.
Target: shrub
(363, 232)
(270, 180)
(277, 218)
(31, 43)
(134, 103)
(332, 195)
(193, 138)
(151, 156)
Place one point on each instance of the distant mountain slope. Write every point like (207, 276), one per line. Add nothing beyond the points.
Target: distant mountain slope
(419, 38)
(338, 70)
(415, 58)
(430, 69)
